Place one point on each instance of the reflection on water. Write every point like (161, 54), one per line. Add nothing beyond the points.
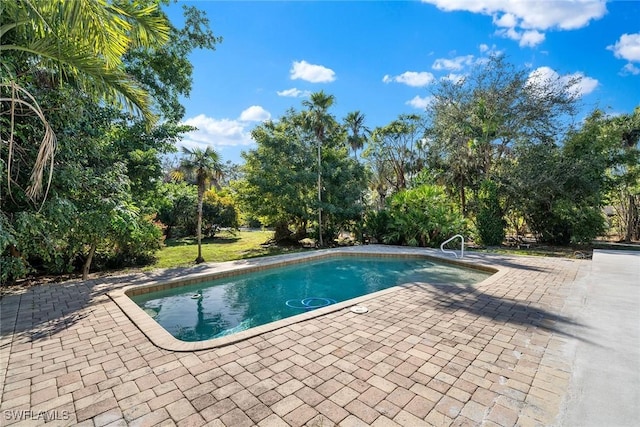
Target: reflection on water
(225, 306)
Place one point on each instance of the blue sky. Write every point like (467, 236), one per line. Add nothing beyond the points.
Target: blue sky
(382, 58)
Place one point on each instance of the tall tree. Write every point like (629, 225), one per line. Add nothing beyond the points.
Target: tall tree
(80, 42)
(627, 172)
(354, 121)
(84, 42)
(204, 167)
(612, 146)
(379, 182)
(319, 121)
(166, 73)
(279, 184)
(104, 195)
(395, 145)
(474, 122)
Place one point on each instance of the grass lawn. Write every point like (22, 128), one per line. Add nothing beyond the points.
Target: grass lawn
(226, 246)
(229, 246)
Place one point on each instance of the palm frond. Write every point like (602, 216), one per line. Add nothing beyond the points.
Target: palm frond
(85, 40)
(21, 97)
(90, 74)
(150, 27)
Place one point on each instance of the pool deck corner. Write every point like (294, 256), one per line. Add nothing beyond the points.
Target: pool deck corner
(546, 341)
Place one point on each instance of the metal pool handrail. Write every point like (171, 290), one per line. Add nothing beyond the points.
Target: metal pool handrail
(447, 251)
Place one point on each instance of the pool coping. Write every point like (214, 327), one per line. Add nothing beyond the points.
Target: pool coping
(163, 339)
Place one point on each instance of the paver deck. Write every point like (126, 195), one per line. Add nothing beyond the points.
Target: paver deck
(497, 354)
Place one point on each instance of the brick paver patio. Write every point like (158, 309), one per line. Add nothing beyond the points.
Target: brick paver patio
(497, 354)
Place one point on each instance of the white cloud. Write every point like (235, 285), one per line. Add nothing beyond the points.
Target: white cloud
(627, 47)
(630, 69)
(312, 73)
(294, 93)
(411, 78)
(420, 103)
(508, 20)
(523, 21)
(531, 38)
(215, 132)
(583, 86)
(542, 74)
(455, 64)
(509, 33)
(488, 50)
(541, 15)
(255, 113)
(223, 132)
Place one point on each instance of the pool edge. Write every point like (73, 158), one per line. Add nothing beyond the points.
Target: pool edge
(161, 338)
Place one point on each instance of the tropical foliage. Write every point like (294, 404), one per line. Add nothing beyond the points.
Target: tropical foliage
(90, 120)
(204, 168)
(358, 131)
(421, 216)
(282, 182)
(78, 43)
(475, 122)
(74, 85)
(490, 222)
(503, 143)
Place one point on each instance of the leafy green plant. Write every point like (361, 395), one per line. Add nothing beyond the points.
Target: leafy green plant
(490, 222)
(12, 264)
(376, 223)
(422, 216)
(219, 211)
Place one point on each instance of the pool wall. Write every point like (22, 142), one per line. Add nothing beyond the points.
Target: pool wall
(163, 339)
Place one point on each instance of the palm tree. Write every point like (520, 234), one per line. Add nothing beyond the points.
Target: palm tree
(204, 167)
(85, 42)
(79, 42)
(318, 121)
(359, 132)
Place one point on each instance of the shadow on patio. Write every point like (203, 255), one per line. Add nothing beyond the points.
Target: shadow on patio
(497, 309)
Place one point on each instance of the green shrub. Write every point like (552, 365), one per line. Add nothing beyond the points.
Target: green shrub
(422, 216)
(178, 209)
(218, 211)
(12, 265)
(375, 224)
(490, 222)
(139, 246)
(564, 222)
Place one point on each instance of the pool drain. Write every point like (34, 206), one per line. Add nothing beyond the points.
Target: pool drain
(359, 309)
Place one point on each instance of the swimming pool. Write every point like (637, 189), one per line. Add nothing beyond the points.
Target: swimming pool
(221, 307)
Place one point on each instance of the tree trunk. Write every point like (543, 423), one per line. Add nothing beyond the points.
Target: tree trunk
(636, 227)
(87, 264)
(281, 232)
(633, 222)
(401, 183)
(463, 199)
(199, 259)
(320, 194)
(301, 231)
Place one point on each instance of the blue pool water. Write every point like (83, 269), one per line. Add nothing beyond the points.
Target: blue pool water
(224, 306)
